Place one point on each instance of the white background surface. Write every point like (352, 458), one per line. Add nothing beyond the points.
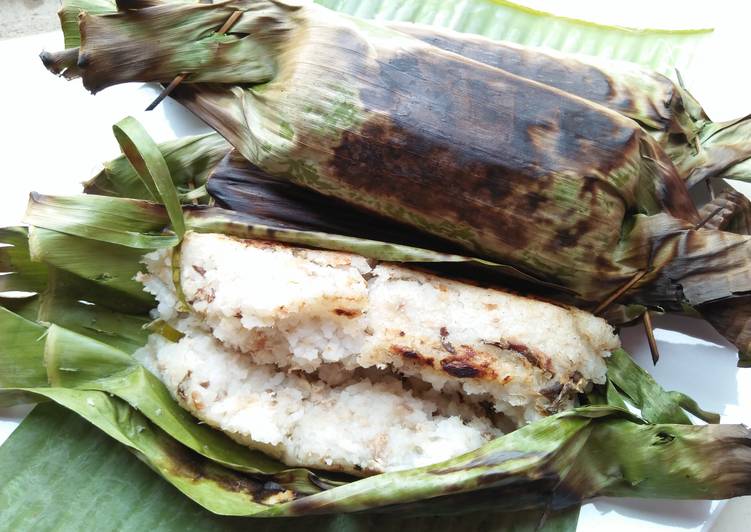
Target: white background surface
(54, 135)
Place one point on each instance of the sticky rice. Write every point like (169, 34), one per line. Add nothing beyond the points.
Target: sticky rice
(329, 360)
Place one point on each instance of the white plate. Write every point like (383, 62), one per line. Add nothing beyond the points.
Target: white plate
(54, 135)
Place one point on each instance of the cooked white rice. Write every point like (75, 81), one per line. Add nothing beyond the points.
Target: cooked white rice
(359, 425)
(282, 335)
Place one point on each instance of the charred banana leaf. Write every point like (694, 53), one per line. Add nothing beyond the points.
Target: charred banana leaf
(699, 148)
(554, 463)
(509, 169)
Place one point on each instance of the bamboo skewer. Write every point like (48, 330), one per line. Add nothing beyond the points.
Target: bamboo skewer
(233, 18)
(649, 331)
(646, 318)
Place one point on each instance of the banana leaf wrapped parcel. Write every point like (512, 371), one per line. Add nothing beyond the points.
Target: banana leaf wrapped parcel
(217, 352)
(511, 170)
(699, 147)
(343, 326)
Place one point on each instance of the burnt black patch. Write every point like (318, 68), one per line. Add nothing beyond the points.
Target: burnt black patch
(568, 237)
(535, 358)
(566, 74)
(460, 368)
(196, 468)
(467, 364)
(663, 438)
(349, 313)
(552, 392)
(589, 187)
(180, 386)
(409, 354)
(534, 200)
(473, 147)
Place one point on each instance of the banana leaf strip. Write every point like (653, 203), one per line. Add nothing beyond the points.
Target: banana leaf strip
(17, 272)
(729, 210)
(726, 147)
(655, 404)
(729, 317)
(614, 397)
(63, 303)
(699, 148)
(189, 160)
(21, 351)
(739, 171)
(82, 479)
(109, 267)
(147, 160)
(136, 224)
(556, 462)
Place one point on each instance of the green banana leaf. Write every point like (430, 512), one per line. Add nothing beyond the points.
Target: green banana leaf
(729, 210)
(641, 390)
(699, 148)
(189, 160)
(529, 467)
(73, 360)
(83, 479)
(103, 384)
(614, 425)
(22, 274)
(661, 50)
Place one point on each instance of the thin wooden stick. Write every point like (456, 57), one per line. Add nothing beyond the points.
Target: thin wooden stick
(646, 317)
(709, 217)
(166, 91)
(612, 298)
(233, 18)
(230, 22)
(708, 181)
(619, 292)
(649, 331)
